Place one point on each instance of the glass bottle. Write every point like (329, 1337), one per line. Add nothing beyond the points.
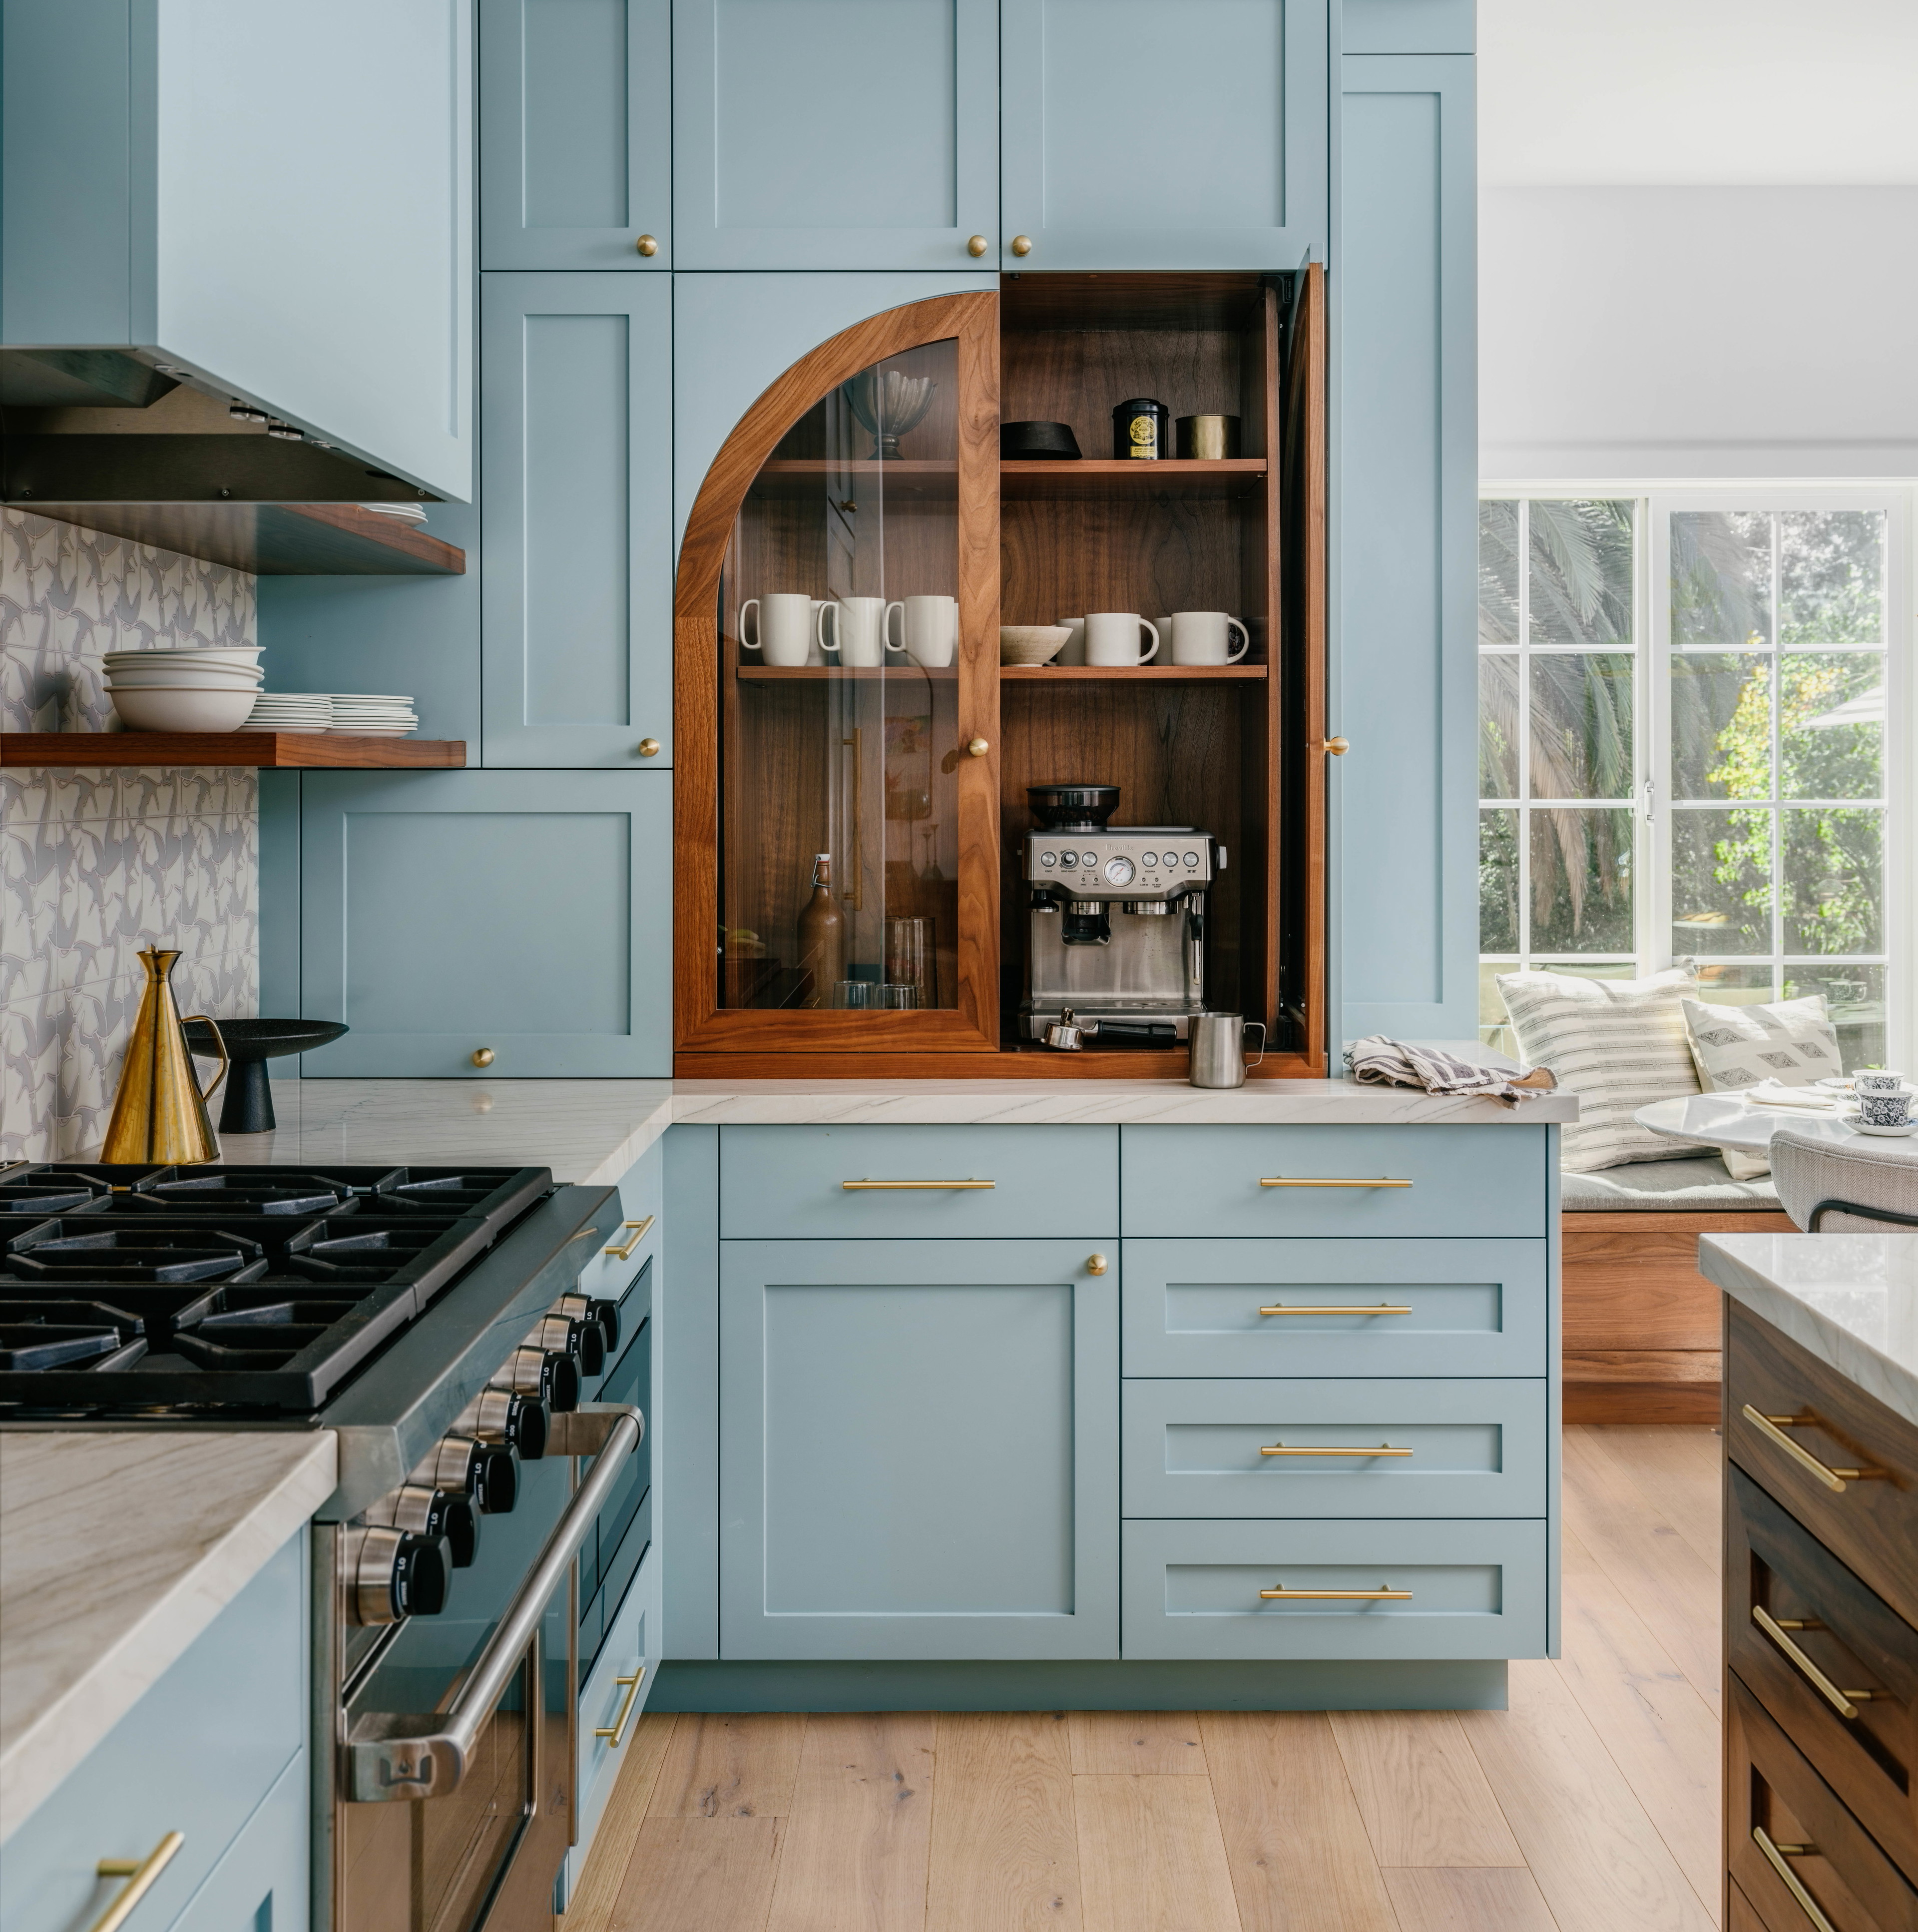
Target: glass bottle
(822, 937)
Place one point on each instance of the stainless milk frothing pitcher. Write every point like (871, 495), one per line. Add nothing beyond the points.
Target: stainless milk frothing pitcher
(1218, 1048)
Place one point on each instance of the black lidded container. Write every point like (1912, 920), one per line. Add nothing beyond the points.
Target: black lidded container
(1142, 430)
(1073, 808)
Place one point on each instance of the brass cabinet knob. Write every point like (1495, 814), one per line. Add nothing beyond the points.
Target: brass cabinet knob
(1338, 747)
(1021, 244)
(647, 245)
(979, 748)
(1095, 1264)
(977, 245)
(649, 748)
(482, 1056)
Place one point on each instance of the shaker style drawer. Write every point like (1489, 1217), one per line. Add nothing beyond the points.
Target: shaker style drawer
(613, 1695)
(1791, 1847)
(1841, 1462)
(1830, 1661)
(918, 1183)
(1335, 1307)
(1383, 1589)
(1333, 1180)
(1345, 1449)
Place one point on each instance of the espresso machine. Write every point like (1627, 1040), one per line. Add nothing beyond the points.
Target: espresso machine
(1117, 927)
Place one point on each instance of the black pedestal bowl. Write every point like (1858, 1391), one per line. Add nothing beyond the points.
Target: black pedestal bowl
(250, 1044)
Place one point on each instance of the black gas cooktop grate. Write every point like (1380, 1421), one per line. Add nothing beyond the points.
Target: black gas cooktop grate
(255, 1288)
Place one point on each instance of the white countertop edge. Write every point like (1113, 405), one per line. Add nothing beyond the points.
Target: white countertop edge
(1737, 1263)
(59, 1737)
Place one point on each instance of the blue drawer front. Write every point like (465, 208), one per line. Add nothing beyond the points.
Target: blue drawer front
(1477, 1308)
(1206, 1180)
(262, 1883)
(784, 1183)
(1194, 1448)
(1191, 1589)
(632, 1648)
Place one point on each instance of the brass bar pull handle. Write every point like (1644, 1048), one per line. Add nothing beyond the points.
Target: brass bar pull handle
(1384, 1593)
(900, 1186)
(1280, 1181)
(622, 1251)
(1844, 1702)
(140, 1874)
(616, 1730)
(1774, 1854)
(1383, 1449)
(1337, 1308)
(1772, 1428)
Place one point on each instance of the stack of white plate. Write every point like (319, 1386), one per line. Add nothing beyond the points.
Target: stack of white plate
(307, 711)
(401, 513)
(195, 687)
(371, 717)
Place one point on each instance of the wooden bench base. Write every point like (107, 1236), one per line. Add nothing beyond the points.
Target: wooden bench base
(1640, 1324)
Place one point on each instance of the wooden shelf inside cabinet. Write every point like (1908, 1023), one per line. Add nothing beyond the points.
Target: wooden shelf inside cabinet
(1124, 673)
(903, 476)
(1186, 476)
(267, 750)
(753, 673)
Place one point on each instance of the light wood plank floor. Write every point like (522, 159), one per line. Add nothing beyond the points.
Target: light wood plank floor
(1590, 1805)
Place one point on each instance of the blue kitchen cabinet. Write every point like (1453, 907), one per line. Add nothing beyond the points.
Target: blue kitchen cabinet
(575, 134)
(918, 1450)
(275, 201)
(1405, 552)
(520, 915)
(1136, 134)
(577, 595)
(214, 1751)
(834, 133)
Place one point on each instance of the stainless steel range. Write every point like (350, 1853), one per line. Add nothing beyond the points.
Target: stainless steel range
(430, 1317)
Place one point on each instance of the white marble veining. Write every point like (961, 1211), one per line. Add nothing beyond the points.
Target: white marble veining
(1729, 1120)
(117, 1549)
(1852, 1300)
(594, 1130)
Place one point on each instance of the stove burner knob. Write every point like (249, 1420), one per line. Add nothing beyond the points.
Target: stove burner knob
(392, 1574)
(606, 1315)
(422, 1510)
(496, 1485)
(533, 1372)
(559, 1334)
(498, 1414)
(487, 1472)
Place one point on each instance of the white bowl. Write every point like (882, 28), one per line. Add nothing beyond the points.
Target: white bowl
(188, 677)
(162, 708)
(247, 658)
(1031, 643)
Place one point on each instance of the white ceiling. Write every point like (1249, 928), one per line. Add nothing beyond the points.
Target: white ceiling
(1698, 92)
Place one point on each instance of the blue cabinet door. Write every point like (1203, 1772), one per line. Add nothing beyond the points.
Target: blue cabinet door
(1404, 565)
(834, 133)
(918, 1451)
(523, 913)
(576, 603)
(575, 133)
(1141, 134)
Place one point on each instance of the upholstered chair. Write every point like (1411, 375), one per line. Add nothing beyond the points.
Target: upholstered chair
(1860, 1187)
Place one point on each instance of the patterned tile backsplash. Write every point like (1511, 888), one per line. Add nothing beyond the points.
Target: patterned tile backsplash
(96, 862)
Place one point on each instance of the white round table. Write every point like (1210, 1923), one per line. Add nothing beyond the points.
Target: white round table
(1727, 1120)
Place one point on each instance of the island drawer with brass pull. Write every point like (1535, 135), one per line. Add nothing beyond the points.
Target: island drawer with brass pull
(1803, 1863)
(1839, 1460)
(1833, 1663)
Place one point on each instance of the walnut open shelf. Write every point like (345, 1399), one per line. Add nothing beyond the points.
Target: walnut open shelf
(1148, 673)
(267, 750)
(751, 673)
(1241, 477)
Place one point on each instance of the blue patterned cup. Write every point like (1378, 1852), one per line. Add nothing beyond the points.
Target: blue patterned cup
(1885, 1110)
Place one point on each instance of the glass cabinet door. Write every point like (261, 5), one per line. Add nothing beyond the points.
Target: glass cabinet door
(849, 672)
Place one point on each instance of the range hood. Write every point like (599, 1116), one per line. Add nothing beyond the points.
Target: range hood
(106, 440)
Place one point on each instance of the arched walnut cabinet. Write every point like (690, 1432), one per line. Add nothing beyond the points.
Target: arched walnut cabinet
(869, 474)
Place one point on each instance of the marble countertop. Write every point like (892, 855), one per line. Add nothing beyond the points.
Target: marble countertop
(1730, 1120)
(592, 1131)
(190, 1519)
(1852, 1300)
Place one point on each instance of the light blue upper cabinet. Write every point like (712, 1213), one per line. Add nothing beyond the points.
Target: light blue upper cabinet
(577, 594)
(1405, 560)
(276, 200)
(1141, 134)
(575, 133)
(522, 915)
(834, 133)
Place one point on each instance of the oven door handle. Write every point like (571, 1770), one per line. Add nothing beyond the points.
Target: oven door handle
(393, 1756)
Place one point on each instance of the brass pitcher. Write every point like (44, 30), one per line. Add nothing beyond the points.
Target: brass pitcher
(160, 1112)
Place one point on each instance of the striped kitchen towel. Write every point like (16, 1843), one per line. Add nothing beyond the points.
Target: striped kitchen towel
(1396, 1063)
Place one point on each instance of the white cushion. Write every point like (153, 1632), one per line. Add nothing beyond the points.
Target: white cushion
(1792, 1043)
(1619, 1044)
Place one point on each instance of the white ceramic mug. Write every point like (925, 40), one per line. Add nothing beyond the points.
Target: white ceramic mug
(929, 628)
(784, 627)
(1073, 651)
(858, 624)
(1111, 639)
(1203, 637)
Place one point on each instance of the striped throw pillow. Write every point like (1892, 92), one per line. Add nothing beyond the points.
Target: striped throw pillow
(1619, 1044)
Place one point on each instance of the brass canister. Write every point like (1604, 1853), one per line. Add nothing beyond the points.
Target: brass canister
(1210, 439)
(160, 1110)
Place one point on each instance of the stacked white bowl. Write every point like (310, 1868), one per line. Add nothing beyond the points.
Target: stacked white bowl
(304, 711)
(193, 687)
(373, 717)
